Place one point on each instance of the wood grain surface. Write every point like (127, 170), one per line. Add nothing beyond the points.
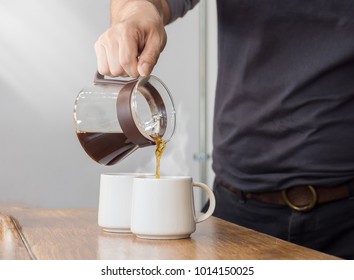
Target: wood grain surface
(74, 234)
(12, 246)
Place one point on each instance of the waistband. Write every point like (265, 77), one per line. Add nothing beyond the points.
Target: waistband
(298, 198)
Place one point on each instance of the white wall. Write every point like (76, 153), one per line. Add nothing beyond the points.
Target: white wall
(46, 57)
(211, 74)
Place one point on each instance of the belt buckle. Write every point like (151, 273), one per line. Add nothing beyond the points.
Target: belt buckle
(304, 208)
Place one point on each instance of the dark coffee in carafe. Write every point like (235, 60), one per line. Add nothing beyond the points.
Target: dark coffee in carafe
(106, 148)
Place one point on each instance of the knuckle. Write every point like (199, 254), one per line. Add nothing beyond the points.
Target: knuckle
(103, 71)
(125, 61)
(97, 46)
(109, 34)
(116, 69)
(151, 57)
(101, 39)
(117, 72)
(122, 29)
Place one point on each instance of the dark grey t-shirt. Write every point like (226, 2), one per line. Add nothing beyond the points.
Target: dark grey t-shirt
(284, 108)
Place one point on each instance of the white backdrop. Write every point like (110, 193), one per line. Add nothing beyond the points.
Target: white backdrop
(46, 57)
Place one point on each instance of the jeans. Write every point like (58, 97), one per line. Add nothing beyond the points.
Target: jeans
(328, 227)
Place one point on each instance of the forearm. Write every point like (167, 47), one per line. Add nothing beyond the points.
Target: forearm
(161, 6)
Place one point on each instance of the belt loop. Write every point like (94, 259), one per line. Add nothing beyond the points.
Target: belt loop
(243, 198)
(351, 189)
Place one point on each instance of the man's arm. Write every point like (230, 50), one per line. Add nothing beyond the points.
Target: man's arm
(161, 6)
(135, 39)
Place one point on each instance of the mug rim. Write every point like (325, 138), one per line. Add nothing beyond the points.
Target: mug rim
(165, 177)
(128, 174)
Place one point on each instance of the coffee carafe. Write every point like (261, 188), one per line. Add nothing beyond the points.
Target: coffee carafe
(113, 118)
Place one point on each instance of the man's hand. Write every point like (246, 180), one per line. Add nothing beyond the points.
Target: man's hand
(133, 43)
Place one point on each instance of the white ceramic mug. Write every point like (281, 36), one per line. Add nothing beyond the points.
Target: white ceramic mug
(114, 209)
(164, 208)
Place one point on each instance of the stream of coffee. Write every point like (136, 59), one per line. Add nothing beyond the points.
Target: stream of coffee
(160, 147)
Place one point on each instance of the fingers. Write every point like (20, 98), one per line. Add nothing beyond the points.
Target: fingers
(117, 51)
(107, 53)
(128, 54)
(102, 63)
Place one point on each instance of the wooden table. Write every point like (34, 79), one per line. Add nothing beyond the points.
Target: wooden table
(51, 234)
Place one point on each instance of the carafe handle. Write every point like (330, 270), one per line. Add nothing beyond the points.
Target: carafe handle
(100, 79)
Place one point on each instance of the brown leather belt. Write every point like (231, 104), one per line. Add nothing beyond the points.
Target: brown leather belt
(298, 198)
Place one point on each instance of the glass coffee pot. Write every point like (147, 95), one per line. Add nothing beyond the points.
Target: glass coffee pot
(113, 118)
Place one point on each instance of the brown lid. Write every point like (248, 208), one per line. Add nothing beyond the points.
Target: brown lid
(125, 116)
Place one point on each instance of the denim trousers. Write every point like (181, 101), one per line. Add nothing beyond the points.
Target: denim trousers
(328, 227)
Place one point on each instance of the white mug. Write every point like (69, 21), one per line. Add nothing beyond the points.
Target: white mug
(164, 208)
(114, 209)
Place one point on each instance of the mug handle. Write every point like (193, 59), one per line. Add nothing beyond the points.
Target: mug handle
(211, 197)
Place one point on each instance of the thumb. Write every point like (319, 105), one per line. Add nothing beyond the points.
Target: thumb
(148, 58)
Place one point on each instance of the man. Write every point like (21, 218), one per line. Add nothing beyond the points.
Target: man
(284, 109)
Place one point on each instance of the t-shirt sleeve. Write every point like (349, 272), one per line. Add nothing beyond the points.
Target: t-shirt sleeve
(180, 7)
